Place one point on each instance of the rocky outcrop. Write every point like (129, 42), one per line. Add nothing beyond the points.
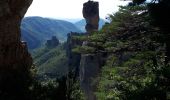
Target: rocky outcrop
(90, 63)
(73, 61)
(91, 15)
(53, 42)
(89, 69)
(15, 61)
(87, 66)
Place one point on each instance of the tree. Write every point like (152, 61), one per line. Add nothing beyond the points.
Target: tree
(159, 11)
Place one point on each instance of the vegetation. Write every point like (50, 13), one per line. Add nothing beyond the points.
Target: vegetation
(136, 50)
(51, 61)
(36, 30)
(137, 65)
(54, 79)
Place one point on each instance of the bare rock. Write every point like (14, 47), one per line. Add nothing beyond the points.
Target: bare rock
(91, 14)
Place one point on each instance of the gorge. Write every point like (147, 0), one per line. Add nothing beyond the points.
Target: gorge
(128, 59)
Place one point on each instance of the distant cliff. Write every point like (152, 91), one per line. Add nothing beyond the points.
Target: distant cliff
(53, 42)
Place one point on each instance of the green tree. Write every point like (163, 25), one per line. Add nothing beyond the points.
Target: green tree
(135, 66)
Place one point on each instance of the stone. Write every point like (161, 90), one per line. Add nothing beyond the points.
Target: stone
(12, 12)
(73, 58)
(89, 70)
(53, 42)
(15, 61)
(91, 15)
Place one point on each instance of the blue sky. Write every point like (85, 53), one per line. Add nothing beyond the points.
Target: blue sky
(71, 9)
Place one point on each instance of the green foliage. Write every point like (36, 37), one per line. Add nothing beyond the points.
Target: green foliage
(136, 72)
(54, 80)
(84, 49)
(49, 90)
(74, 91)
(135, 67)
(51, 60)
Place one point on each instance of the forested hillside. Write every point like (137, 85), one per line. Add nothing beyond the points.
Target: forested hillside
(51, 62)
(36, 30)
(136, 49)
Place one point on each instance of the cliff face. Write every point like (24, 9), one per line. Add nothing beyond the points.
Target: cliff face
(73, 58)
(14, 57)
(13, 53)
(89, 69)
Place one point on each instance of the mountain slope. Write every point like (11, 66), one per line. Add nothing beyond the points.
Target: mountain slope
(36, 30)
(50, 61)
(81, 24)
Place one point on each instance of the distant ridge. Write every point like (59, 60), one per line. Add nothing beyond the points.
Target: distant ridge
(81, 24)
(36, 30)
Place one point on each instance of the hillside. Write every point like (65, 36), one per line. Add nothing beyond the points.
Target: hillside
(82, 23)
(36, 30)
(136, 54)
(50, 61)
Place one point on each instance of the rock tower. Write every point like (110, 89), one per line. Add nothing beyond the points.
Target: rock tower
(91, 15)
(90, 63)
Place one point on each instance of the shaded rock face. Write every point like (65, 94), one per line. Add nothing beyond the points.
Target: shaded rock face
(12, 51)
(73, 58)
(89, 70)
(14, 57)
(91, 14)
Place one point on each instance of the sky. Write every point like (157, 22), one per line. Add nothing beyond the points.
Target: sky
(70, 9)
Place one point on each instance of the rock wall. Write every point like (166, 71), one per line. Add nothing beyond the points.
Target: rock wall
(89, 69)
(73, 62)
(73, 58)
(15, 61)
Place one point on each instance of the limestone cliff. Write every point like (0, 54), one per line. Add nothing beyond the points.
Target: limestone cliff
(14, 57)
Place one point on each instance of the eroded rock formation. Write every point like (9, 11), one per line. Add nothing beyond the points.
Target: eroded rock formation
(15, 61)
(91, 15)
(90, 63)
(73, 58)
(53, 42)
